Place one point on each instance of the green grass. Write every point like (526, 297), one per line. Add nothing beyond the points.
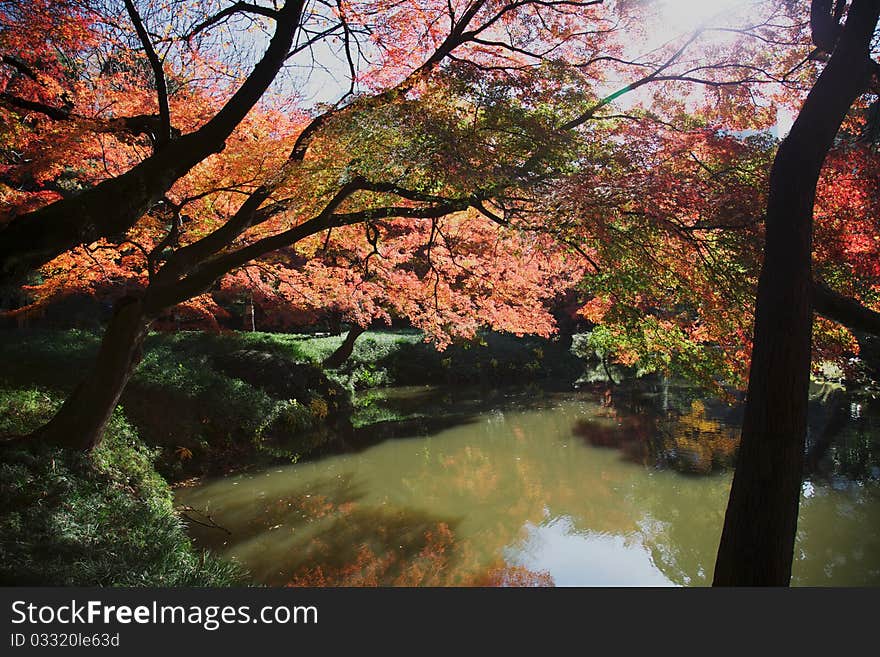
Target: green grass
(383, 358)
(183, 400)
(102, 519)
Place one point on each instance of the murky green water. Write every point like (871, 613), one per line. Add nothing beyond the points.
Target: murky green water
(525, 487)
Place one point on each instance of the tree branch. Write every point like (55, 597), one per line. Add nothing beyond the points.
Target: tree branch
(237, 8)
(163, 136)
(111, 207)
(844, 310)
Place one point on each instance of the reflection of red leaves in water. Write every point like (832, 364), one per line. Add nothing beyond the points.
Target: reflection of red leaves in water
(318, 506)
(426, 568)
(367, 570)
(430, 566)
(513, 576)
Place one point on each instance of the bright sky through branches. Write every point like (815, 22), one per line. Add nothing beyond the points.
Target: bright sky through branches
(673, 20)
(678, 17)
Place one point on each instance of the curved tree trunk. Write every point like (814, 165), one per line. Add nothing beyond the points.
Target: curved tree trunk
(80, 422)
(757, 542)
(343, 352)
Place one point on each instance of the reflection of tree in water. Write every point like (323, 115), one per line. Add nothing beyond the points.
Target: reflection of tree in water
(839, 530)
(360, 523)
(692, 436)
(326, 534)
(689, 442)
(843, 441)
(505, 575)
(500, 497)
(341, 539)
(372, 547)
(379, 548)
(695, 443)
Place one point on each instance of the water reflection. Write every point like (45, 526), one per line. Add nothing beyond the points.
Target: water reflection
(532, 489)
(690, 443)
(842, 442)
(586, 558)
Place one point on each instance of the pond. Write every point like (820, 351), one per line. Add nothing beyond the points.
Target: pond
(622, 486)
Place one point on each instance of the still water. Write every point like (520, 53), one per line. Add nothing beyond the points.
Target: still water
(590, 488)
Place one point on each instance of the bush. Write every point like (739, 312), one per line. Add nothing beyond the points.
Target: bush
(184, 397)
(494, 359)
(100, 519)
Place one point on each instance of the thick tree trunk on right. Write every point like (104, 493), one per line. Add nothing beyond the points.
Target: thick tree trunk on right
(757, 543)
(343, 352)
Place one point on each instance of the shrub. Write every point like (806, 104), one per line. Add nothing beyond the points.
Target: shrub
(100, 519)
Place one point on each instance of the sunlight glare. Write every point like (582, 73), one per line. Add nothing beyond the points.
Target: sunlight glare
(678, 17)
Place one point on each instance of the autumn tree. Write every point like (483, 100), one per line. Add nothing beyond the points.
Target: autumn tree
(180, 267)
(466, 114)
(58, 71)
(448, 277)
(690, 208)
(683, 202)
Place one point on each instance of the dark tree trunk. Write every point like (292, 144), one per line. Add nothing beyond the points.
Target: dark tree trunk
(80, 422)
(757, 542)
(342, 353)
(106, 210)
(334, 323)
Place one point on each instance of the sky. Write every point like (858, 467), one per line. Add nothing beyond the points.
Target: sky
(676, 18)
(673, 19)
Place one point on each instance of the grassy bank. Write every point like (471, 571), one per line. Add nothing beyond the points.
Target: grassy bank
(403, 358)
(206, 402)
(104, 519)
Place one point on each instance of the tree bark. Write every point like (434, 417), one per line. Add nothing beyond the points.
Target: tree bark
(80, 422)
(757, 543)
(845, 310)
(343, 352)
